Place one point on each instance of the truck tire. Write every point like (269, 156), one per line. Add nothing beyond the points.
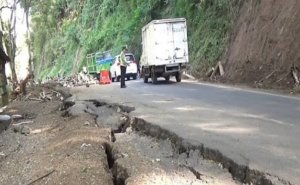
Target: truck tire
(153, 77)
(134, 76)
(145, 79)
(167, 78)
(178, 77)
(110, 76)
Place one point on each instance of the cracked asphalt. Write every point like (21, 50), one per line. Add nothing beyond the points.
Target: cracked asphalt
(257, 129)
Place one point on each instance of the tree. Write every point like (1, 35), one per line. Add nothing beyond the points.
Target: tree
(26, 5)
(9, 37)
(3, 81)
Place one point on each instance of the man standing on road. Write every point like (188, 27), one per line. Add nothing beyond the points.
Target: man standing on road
(123, 65)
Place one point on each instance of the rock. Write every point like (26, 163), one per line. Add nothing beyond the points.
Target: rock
(123, 118)
(86, 123)
(220, 166)
(25, 130)
(124, 155)
(133, 121)
(2, 109)
(17, 128)
(17, 117)
(21, 129)
(129, 130)
(85, 145)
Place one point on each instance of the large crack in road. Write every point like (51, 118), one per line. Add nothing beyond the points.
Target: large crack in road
(144, 153)
(135, 158)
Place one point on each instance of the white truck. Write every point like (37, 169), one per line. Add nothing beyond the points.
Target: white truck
(165, 49)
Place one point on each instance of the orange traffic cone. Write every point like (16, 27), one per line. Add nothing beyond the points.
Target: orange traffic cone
(104, 77)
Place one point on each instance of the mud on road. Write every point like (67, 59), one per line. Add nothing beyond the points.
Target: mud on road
(92, 142)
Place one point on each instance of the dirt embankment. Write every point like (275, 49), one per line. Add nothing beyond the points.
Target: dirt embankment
(265, 44)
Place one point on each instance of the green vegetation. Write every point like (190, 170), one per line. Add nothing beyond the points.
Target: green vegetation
(65, 31)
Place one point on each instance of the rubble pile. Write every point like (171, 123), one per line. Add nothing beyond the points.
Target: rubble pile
(51, 88)
(79, 79)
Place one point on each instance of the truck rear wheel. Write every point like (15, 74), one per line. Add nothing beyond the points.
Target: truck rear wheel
(145, 79)
(154, 77)
(145, 74)
(178, 77)
(134, 76)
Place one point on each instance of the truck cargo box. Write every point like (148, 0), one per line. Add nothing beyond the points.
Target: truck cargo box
(165, 49)
(165, 42)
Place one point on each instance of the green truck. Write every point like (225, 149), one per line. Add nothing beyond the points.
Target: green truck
(99, 61)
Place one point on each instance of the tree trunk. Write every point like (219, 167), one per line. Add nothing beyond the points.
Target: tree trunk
(26, 8)
(12, 33)
(9, 41)
(3, 80)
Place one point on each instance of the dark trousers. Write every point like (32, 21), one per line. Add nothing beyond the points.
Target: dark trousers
(123, 73)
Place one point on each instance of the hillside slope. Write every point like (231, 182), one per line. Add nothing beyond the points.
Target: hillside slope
(265, 44)
(65, 31)
(258, 40)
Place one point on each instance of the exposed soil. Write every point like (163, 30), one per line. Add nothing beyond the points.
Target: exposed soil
(71, 151)
(265, 44)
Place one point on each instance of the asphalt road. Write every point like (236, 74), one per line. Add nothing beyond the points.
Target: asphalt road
(258, 129)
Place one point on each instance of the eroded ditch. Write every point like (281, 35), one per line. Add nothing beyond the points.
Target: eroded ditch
(144, 153)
